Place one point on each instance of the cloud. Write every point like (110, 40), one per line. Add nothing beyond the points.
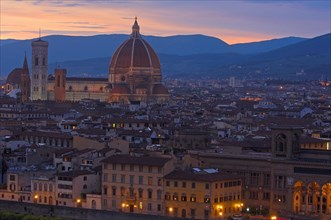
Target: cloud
(87, 27)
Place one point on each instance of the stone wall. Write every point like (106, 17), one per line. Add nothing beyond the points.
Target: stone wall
(70, 213)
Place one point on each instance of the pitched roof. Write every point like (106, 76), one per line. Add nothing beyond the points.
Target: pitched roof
(146, 160)
(203, 177)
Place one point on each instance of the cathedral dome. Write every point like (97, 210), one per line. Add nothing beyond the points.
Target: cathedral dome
(14, 77)
(134, 52)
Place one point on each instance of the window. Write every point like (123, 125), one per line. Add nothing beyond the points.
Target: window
(184, 184)
(105, 190)
(114, 191)
(183, 198)
(40, 188)
(113, 203)
(140, 193)
(193, 198)
(44, 61)
(132, 179)
(207, 186)
(58, 81)
(85, 178)
(85, 88)
(159, 170)
(150, 169)
(159, 182)
(175, 184)
(253, 195)
(266, 196)
(12, 177)
(193, 185)
(216, 200)
(122, 178)
(122, 191)
(149, 206)
(105, 177)
(167, 196)
(150, 180)
(175, 197)
(150, 194)
(35, 186)
(141, 180)
(113, 178)
(216, 185)
(51, 187)
(282, 199)
(114, 166)
(254, 178)
(131, 167)
(280, 182)
(167, 183)
(141, 168)
(85, 186)
(206, 199)
(123, 167)
(36, 61)
(158, 207)
(45, 187)
(159, 194)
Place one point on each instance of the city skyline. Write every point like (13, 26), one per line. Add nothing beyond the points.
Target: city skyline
(231, 21)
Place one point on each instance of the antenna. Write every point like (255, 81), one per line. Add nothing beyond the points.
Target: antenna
(39, 34)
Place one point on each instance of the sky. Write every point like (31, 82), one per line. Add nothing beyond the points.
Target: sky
(234, 21)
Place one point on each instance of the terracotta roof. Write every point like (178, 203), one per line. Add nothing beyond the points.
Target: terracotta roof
(127, 159)
(160, 89)
(74, 173)
(120, 89)
(203, 177)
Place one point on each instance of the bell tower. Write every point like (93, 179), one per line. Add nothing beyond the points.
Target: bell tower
(60, 85)
(39, 70)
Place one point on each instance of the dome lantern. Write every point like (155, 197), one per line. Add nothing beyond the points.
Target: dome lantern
(135, 29)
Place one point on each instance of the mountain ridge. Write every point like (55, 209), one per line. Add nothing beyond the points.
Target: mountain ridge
(68, 49)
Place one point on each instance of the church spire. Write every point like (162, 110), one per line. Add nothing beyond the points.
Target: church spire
(135, 29)
(25, 65)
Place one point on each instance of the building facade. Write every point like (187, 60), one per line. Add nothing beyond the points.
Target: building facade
(287, 181)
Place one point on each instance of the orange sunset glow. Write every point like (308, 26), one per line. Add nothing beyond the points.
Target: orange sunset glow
(229, 21)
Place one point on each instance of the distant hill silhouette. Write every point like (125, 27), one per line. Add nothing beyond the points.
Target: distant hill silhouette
(182, 55)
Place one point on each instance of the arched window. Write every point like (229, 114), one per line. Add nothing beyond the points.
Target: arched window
(85, 88)
(70, 88)
(36, 61)
(281, 146)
